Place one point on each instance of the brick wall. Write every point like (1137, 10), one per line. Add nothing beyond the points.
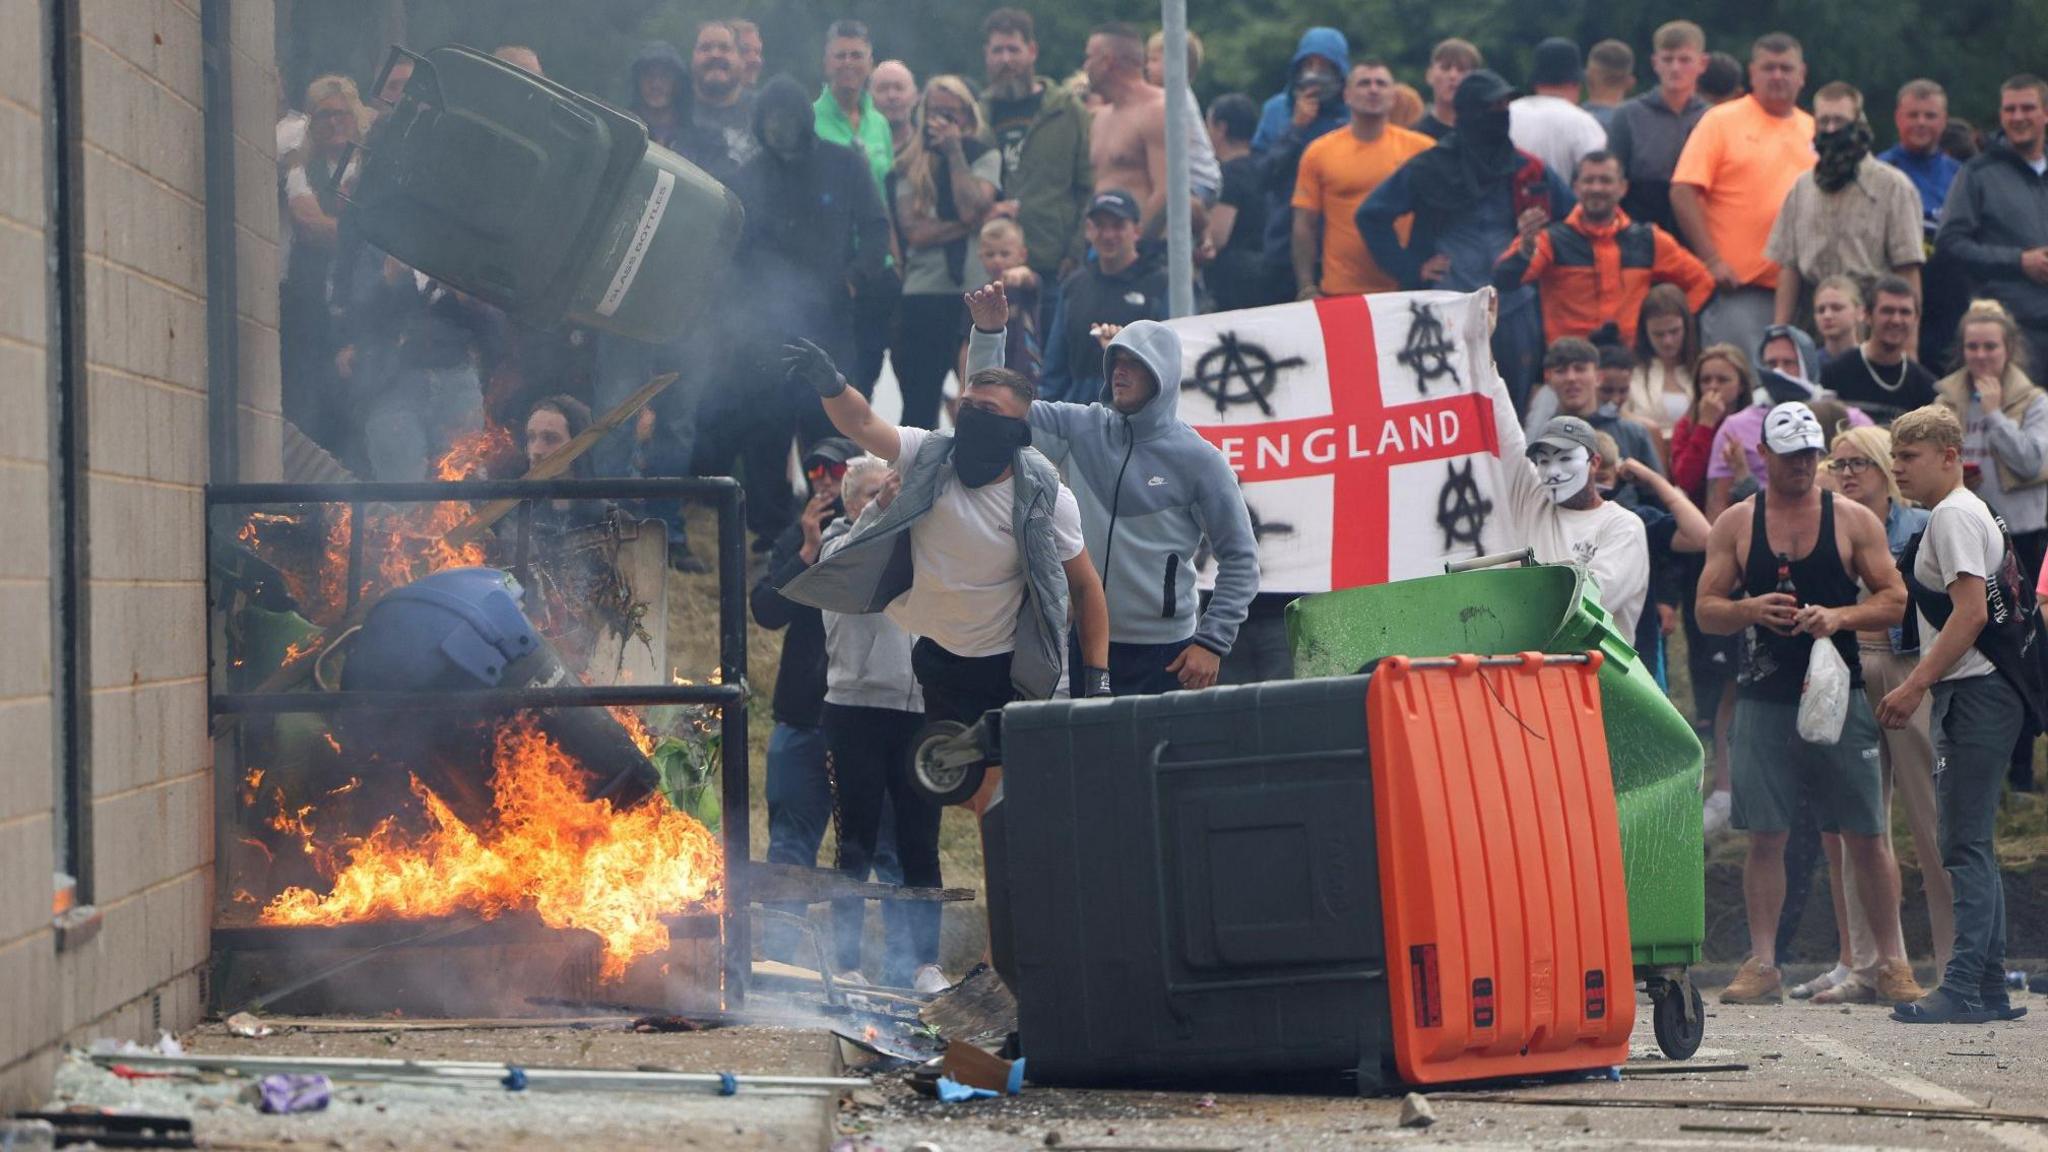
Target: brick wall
(147, 427)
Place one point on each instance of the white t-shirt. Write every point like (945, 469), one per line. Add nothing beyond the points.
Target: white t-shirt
(1962, 540)
(1607, 541)
(967, 580)
(1555, 131)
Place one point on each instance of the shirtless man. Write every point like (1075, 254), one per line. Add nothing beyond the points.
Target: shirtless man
(1127, 144)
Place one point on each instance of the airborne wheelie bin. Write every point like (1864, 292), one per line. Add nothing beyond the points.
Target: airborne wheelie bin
(1656, 757)
(540, 200)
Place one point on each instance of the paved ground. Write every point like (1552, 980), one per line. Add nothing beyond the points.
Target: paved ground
(1794, 1055)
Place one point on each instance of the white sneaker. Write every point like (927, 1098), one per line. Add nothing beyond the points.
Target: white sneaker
(930, 981)
(1715, 813)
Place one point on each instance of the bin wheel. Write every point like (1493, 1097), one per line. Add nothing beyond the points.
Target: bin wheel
(945, 768)
(1668, 1012)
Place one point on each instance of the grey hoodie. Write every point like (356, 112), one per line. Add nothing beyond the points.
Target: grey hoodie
(1149, 488)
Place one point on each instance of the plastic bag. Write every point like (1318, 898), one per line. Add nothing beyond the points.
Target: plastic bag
(1824, 700)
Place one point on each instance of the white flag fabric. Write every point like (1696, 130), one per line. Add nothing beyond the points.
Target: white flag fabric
(1362, 428)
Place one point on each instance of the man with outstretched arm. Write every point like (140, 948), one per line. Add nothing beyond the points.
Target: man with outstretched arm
(1151, 490)
(979, 555)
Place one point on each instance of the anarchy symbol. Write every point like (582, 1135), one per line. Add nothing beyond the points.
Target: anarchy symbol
(1461, 509)
(1428, 351)
(1239, 364)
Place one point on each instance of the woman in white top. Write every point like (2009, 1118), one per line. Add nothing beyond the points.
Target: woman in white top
(1667, 342)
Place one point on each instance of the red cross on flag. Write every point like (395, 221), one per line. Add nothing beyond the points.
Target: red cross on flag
(1362, 429)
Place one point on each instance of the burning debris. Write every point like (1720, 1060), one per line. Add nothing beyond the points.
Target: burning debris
(575, 862)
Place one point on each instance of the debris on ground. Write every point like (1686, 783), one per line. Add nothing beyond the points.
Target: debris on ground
(283, 1094)
(247, 1025)
(1416, 1111)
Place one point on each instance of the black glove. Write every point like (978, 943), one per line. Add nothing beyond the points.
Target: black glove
(1095, 682)
(812, 365)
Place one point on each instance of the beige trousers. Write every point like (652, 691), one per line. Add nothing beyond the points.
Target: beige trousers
(1908, 757)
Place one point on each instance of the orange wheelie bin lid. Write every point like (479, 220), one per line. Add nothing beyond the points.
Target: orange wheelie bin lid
(1507, 925)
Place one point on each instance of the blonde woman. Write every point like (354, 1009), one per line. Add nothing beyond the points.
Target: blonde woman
(2005, 426)
(335, 119)
(943, 187)
(1859, 464)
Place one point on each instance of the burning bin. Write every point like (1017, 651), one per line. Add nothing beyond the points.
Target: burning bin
(1257, 883)
(542, 201)
(1656, 757)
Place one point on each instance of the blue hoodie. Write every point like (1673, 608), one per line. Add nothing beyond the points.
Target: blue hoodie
(1150, 488)
(1278, 143)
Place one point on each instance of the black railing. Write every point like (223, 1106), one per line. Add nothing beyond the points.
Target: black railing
(729, 695)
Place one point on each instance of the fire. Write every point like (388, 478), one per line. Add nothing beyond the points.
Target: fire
(577, 863)
(643, 738)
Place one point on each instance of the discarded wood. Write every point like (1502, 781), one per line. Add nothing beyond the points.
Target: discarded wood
(1788, 1107)
(770, 883)
(557, 463)
(1150, 1147)
(776, 972)
(1730, 1129)
(316, 1025)
(1677, 1068)
(978, 1006)
(481, 1073)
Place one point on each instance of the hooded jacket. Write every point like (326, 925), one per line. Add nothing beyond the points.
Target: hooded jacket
(1150, 489)
(814, 223)
(1279, 144)
(800, 679)
(704, 147)
(867, 655)
(1996, 209)
(1053, 180)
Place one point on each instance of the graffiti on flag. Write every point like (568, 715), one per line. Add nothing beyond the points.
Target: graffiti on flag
(1362, 429)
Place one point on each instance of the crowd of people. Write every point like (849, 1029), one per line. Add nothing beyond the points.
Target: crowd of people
(1768, 386)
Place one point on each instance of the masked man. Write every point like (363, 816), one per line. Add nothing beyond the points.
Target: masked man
(980, 555)
(1566, 521)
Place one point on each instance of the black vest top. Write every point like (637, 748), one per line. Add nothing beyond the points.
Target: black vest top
(1774, 665)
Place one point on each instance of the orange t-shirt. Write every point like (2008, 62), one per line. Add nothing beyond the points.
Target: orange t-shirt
(1745, 160)
(1338, 171)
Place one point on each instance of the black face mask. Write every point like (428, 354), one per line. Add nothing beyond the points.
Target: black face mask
(984, 444)
(1841, 151)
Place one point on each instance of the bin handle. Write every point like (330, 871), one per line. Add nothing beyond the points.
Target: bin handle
(1520, 558)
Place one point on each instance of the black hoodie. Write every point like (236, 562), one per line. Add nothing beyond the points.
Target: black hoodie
(814, 224)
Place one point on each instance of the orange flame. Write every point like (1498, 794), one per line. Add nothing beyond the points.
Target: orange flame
(643, 738)
(577, 863)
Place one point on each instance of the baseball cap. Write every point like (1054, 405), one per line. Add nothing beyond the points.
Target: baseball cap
(1571, 432)
(1115, 201)
(1792, 427)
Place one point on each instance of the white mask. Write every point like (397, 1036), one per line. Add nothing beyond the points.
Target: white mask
(1562, 471)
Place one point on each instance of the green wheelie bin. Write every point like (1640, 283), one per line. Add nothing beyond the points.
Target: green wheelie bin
(1655, 756)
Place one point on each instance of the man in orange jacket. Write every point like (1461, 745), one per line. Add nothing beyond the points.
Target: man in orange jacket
(1594, 267)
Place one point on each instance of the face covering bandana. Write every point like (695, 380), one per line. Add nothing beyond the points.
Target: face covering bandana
(1563, 471)
(1840, 152)
(984, 444)
(1609, 410)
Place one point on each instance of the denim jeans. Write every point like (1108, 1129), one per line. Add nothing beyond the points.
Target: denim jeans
(799, 811)
(1975, 723)
(1134, 669)
(417, 415)
(622, 368)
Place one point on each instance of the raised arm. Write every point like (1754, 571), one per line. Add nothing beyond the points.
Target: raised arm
(1693, 527)
(846, 406)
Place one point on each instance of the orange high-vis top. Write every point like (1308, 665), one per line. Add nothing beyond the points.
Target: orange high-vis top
(1594, 274)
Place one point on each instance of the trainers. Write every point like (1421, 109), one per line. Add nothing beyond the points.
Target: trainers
(1831, 978)
(930, 980)
(1715, 813)
(1895, 983)
(1850, 991)
(1755, 984)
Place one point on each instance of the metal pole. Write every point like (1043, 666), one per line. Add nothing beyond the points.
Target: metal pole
(732, 740)
(1180, 256)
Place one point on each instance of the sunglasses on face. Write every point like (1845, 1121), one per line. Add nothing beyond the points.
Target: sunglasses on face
(824, 470)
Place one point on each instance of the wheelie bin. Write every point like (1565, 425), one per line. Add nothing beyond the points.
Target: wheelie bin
(1656, 758)
(540, 200)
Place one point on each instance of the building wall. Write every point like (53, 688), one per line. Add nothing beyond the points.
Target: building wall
(146, 395)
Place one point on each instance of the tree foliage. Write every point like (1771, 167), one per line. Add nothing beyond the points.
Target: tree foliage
(1968, 45)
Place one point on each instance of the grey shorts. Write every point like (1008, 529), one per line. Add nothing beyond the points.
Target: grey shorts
(1770, 767)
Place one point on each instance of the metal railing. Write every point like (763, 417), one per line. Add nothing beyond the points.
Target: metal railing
(728, 696)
